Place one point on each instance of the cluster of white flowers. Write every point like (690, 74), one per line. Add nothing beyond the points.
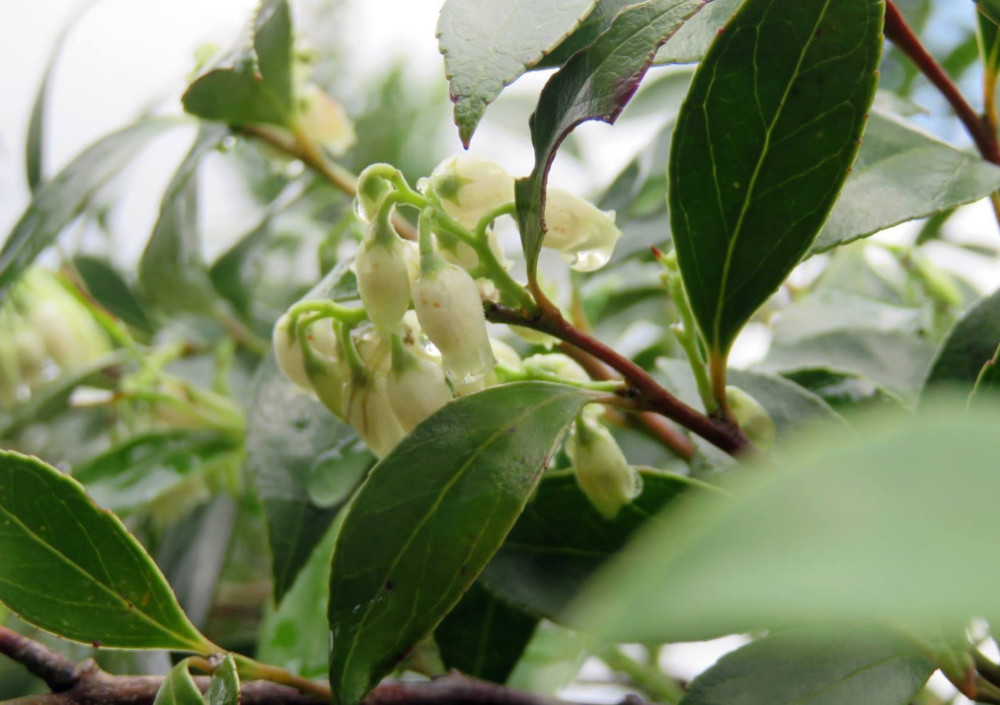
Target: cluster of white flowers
(425, 340)
(44, 330)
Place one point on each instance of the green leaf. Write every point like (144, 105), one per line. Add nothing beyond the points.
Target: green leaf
(794, 668)
(255, 86)
(988, 383)
(291, 636)
(895, 361)
(990, 9)
(595, 84)
(224, 689)
(73, 569)
(272, 43)
(61, 199)
(178, 688)
(291, 439)
(430, 516)
(593, 25)
(137, 472)
(107, 287)
(483, 636)
(561, 540)
(234, 274)
(694, 39)
(836, 531)
(488, 44)
(172, 272)
(762, 146)
(901, 174)
(973, 340)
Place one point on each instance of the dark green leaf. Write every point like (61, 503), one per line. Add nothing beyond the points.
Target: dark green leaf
(990, 9)
(74, 570)
(751, 186)
(291, 635)
(971, 343)
(429, 517)
(178, 688)
(60, 200)
(107, 288)
(137, 472)
(794, 668)
(561, 540)
(233, 274)
(693, 40)
(595, 84)
(901, 174)
(595, 23)
(484, 636)
(172, 272)
(488, 44)
(233, 97)
(272, 42)
(835, 533)
(225, 686)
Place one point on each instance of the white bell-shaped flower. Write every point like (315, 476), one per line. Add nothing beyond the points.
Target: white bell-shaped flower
(469, 187)
(416, 386)
(290, 355)
(324, 119)
(384, 266)
(756, 423)
(601, 469)
(370, 413)
(583, 234)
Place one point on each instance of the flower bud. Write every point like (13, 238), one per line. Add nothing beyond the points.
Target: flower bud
(601, 469)
(372, 187)
(451, 313)
(556, 364)
(324, 119)
(383, 267)
(290, 355)
(752, 417)
(416, 386)
(583, 234)
(371, 415)
(470, 187)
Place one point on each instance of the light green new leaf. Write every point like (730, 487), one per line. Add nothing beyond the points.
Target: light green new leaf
(172, 271)
(178, 688)
(901, 174)
(867, 528)
(486, 45)
(763, 144)
(74, 570)
(972, 342)
(224, 688)
(429, 517)
(595, 84)
(795, 668)
(61, 199)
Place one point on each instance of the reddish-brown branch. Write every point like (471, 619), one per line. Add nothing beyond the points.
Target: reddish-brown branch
(86, 684)
(900, 34)
(648, 394)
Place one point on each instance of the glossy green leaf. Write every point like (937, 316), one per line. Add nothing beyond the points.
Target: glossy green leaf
(172, 272)
(178, 688)
(291, 635)
(990, 9)
(595, 84)
(292, 437)
(34, 148)
(692, 42)
(794, 668)
(488, 44)
(483, 636)
(137, 472)
(835, 532)
(896, 361)
(64, 197)
(107, 287)
(251, 87)
(901, 174)
(751, 186)
(561, 540)
(409, 549)
(973, 340)
(592, 26)
(224, 688)
(73, 569)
